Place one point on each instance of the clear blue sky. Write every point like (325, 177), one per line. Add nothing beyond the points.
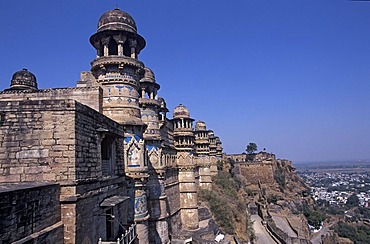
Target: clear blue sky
(292, 76)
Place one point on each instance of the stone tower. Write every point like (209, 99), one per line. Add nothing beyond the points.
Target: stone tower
(202, 152)
(118, 71)
(201, 139)
(152, 116)
(117, 68)
(184, 144)
(213, 153)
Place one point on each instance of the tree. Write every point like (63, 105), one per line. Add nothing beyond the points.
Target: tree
(353, 201)
(251, 148)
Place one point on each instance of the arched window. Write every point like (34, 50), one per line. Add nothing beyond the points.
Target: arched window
(113, 47)
(108, 156)
(126, 49)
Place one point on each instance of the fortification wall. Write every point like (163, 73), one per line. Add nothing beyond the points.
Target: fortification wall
(37, 140)
(90, 128)
(89, 96)
(173, 199)
(60, 141)
(30, 212)
(258, 172)
(52, 140)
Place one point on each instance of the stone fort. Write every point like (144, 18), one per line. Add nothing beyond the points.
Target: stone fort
(101, 161)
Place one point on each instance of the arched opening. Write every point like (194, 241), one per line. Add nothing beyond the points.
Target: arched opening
(113, 47)
(108, 155)
(100, 50)
(126, 49)
(147, 91)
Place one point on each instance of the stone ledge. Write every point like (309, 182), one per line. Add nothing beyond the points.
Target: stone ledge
(38, 234)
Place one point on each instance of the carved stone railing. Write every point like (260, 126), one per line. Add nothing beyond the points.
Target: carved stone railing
(148, 101)
(129, 237)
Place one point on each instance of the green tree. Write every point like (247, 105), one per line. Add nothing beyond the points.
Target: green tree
(251, 147)
(353, 201)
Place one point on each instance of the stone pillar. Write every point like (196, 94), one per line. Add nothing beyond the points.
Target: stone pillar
(120, 40)
(141, 214)
(188, 197)
(136, 169)
(133, 44)
(97, 45)
(205, 176)
(158, 226)
(105, 42)
(213, 167)
(120, 49)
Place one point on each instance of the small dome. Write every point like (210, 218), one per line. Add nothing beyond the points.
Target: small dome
(116, 19)
(148, 76)
(181, 112)
(23, 80)
(200, 126)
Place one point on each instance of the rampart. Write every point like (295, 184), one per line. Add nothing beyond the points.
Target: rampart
(30, 213)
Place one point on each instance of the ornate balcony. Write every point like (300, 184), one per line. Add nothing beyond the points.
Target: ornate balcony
(148, 101)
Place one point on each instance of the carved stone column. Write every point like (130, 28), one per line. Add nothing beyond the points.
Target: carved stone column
(120, 39)
(105, 42)
(133, 44)
(141, 215)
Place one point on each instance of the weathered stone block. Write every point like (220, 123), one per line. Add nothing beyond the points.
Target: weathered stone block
(37, 153)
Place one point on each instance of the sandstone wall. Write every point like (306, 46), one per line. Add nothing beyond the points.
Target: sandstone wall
(258, 172)
(167, 134)
(60, 141)
(87, 219)
(173, 199)
(37, 141)
(90, 128)
(30, 208)
(90, 96)
(236, 157)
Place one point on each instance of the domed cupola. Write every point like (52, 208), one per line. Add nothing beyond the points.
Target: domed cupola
(116, 19)
(148, 76)
(117, 36)
(200, 126)
(23, 80)
(181, 111)
(150, 104)
(183, 129)
(149, 87)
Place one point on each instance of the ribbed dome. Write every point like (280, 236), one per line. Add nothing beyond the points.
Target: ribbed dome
(181, 112)
(23, 80)
(116, 19)
(148, 76)
(200, 126)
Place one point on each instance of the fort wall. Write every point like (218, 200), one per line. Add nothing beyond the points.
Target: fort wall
(258, 172)
(30, 209)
